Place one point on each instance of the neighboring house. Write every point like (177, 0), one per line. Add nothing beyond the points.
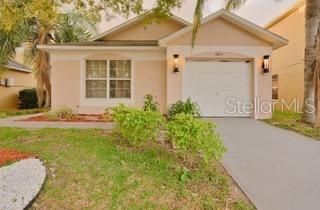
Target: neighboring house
(125, 63)
(288, 61)
(14, 78)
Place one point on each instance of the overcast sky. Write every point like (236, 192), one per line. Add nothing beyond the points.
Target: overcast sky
(257, 11)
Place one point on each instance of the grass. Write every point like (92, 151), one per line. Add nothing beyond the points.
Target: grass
(17, 112)
(292, 121)
(91, 170)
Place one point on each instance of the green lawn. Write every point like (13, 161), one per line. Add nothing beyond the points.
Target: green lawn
(88, 169)
(11, 113)
(292, 121)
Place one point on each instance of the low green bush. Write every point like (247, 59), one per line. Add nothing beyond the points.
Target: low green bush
(185, 107)
(61, 113)
(137, 126)
(150, 103)
(28, 99)
(194, 136)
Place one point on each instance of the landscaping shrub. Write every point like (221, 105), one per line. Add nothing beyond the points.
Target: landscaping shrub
(28, 99)
(194, 136)
(150, 103)
(137, 126)
(61, 113)
(185, 107)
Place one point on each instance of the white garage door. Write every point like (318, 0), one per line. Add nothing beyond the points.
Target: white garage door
(221, 89)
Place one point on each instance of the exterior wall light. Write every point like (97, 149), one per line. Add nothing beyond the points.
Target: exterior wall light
(265, 65)
(176, 63)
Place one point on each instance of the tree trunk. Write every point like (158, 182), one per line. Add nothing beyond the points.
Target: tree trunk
(43, 67)
(317, 82)
(312, 24)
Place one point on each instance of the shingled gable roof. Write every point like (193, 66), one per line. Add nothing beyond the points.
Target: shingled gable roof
(276, 40)
(132, 22)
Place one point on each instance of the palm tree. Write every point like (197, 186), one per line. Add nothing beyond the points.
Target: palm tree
(311, 33)
(38, 22)
(311, 108)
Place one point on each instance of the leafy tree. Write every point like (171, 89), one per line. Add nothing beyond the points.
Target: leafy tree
(38, 22)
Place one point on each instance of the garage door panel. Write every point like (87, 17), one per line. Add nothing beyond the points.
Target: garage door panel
(210, 84)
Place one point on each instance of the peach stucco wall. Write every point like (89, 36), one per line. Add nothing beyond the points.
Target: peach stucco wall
(141, 31)
(288, 61)
(65, 81)
(221, 32)
(9, 95)
(150, 78)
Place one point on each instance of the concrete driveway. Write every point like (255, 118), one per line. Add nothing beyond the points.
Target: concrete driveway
(277, 169)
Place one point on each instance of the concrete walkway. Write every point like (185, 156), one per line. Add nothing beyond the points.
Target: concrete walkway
(277, 169)
(16, 122)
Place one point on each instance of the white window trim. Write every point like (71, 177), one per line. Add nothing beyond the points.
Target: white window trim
(104, 102)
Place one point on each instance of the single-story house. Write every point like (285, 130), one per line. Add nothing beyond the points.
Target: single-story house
(14, 78)
(288, 61)
(221, 73)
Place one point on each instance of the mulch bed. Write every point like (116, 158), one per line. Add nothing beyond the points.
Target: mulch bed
(77, 118)
(11, 155)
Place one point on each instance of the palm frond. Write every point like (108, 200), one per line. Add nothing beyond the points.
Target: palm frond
(72, 29)
(234, 4)
(197, 20)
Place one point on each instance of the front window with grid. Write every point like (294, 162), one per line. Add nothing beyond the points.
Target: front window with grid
(108, 79)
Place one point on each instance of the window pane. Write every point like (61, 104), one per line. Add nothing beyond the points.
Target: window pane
(127, 69)
(120, 69)
(96, 89)
(96, 65)
(104, 73)
(89, 65)
(113, 84)
(103, 84)
(96, 69)
(112, 92)
(88, 84)
(103, 93)
(113, 73)
(96, 84)
(89, 93)
(89, 74)
(120, 89)
(96, 73)
(95, 93)
(127, 93)
(113, 64)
